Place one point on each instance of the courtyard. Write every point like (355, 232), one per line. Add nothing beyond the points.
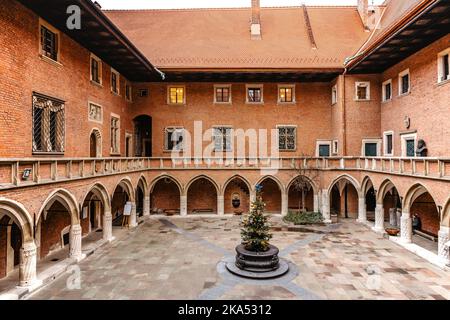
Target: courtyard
(183, 258)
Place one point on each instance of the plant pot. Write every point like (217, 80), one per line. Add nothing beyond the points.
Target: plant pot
(392, 231)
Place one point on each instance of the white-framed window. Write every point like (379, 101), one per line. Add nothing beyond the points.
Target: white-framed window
(444, 65)
(176, 95)
(115, 134)
(128, 92)
(387, 90)
(95, 112)
(409, 144)
(404, 83)
(362, 91)
(287, 137)
(96, 69)
(143, 93)
(254, 93)
(334, 95)
(388, 143)
(174, 138)
(323, 148)
(223, 138)
(115, 81)
(335, 146)
(222, 94)
(50, 41)
(371, 147)
(286, 93)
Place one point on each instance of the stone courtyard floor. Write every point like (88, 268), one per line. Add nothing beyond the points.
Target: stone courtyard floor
(180, 258)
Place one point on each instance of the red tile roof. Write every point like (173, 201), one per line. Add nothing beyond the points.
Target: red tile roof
(220, 38)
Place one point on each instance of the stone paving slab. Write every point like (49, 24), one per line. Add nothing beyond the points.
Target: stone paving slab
(179, 258)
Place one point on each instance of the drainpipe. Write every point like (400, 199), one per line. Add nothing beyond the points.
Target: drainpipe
(344, 124)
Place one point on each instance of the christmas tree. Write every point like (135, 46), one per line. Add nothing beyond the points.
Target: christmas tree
(255, 227)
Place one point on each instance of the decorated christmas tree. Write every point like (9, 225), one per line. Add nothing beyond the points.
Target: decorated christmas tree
(255, 227)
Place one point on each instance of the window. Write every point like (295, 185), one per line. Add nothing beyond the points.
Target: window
(287, 138)
(222, 138)
(222, 94)
(49, 42)
(362, 91)
(115, 134)
(176, 95)
(323, 148)
(443, 66)
(48, 124)
(143, 93)
(96, 69)
(128, 92)
(254, 93)
(173, 138)
(95, 113)
(115, 82)
(388, 142)
(404, 82)
(286, 93)
(334, 95)
(409, 144)
(387, 90)
(371, 147)
(335, 146)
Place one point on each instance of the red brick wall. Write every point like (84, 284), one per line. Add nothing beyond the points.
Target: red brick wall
(295, 199)
(23, 72)
(3, 244)
(51, 228)
(202, 195)
(244, 196)
(118, 201)
(425, 207)
(165, 196)
(271, 196)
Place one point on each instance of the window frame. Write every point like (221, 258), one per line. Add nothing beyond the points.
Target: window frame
(48, 26)
(335, 145)
(254, 86)
(403, 138)
(112, 151)
(129, 95)
(323, 143)
(169, 102)
(100, 70)
(440, 66)
(377, 141)
(222, 86)
(385, 144)
(400, 83)
(231, 135)
(334, 95)
(166, 140)
(117, 82)
(286, 86)
(141, 91)
(295, 137)
(365, 84)
(383, 91)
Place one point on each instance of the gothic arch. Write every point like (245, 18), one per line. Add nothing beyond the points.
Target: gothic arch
(347, 177)
(202, 177)
(236, 176)
(66, 199)
(100, 191)
(165, 176)
(127, 186)
(17, 212)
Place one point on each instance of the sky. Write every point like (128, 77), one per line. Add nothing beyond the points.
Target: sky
(168, 4)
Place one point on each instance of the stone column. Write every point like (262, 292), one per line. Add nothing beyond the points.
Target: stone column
(362, 212)
(443, 250)
(284, 204)
(220, 205)
(107, 226)
(316, 203)
(27, 268)
(146, 208)
(252, 196)
(405, 227)
(326, 206)
(183, 205)
(379, 218)
(133, 216)
(393, 217)
(75, 242)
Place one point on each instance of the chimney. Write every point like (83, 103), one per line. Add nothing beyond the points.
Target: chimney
(255, 27)
(363, 9)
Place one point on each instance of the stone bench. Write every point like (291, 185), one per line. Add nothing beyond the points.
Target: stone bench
(426, 235)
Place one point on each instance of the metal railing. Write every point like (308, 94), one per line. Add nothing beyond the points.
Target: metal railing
(31, 171)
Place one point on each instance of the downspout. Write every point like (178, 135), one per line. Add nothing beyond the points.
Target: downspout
(344, 116)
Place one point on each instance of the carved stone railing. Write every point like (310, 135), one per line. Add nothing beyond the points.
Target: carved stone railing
(16, 173)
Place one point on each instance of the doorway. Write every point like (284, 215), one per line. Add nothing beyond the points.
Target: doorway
(143, 136)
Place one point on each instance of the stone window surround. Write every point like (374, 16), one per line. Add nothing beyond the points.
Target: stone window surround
(371, 140)
(362, 83)
(231, 149)
(47, 25)
(407, 136)
(440, 70)
(295, 136)
(130, 87)
(334, 95)
(320, 142)
(218, 86)
(113, 115)
(260, 86)
(168, 94)
(400, 76)
(287, 86)
(117, 81)
(385, 134)
(165, 137)
(383, 91)
(100, 70)
(335, 150)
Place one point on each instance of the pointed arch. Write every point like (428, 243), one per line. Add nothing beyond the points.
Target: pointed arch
(143, 183)
(127, 186)
(100, 191)
(366, 184)
(275, 179)
(413, 193)
(386, 186)
(95, 132)
(347, 177)
(203, 176)
(66, 199)
(236, 176)
(165, 176)
(313, 184)
(17, 212)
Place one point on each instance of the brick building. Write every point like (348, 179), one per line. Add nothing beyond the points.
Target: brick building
(124, 109)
